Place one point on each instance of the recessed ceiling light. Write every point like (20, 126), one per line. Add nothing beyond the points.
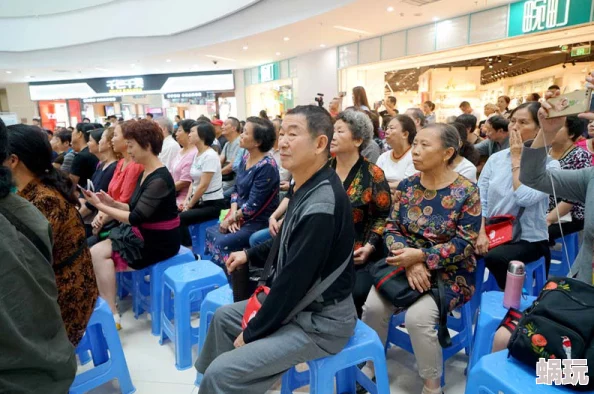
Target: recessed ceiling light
(245, 47)
(132, 65)
(278, 54)
(9, 72)
(435, 19)
(220, 57)
(168, 60)
(350, 29)
(390, 9)
(101, 69)
(286, 38)
(322, 45)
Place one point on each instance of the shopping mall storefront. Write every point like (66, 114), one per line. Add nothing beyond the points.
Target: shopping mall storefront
(511, 50)
(270, 87)
(65, 103)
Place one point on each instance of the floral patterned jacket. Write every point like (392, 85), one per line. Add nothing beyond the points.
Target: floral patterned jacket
(443, 223)
(369, 194)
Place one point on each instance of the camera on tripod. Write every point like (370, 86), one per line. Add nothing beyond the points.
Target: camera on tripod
(320, 99)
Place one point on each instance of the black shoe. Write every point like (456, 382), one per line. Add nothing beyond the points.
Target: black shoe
(362, 390)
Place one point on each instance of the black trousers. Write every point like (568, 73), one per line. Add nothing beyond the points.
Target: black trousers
(568, 228)
(204, 211)
(498, 258)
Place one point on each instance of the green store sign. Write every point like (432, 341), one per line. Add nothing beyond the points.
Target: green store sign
(533, 16)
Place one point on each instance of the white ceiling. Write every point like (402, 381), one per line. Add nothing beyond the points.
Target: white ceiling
(17, 8)
(261, 28)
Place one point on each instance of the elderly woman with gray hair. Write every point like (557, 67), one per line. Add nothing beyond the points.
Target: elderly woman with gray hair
(368, 191)
(432, 230)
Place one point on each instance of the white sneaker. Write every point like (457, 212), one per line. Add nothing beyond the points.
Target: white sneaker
(117, 319)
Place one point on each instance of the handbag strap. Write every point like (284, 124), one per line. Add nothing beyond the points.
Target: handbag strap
(272, 255)
(318, 289)
(27, 232)
(443, 334)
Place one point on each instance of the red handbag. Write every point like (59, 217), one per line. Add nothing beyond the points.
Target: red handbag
(501, 230)
(504, 229)
(254, 304)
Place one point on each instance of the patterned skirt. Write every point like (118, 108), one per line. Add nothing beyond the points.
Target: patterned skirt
(220, 246)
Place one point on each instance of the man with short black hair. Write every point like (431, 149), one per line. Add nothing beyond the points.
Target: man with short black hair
(60, 143)
(469, 121)
(86, 120)
(315, 243)
(497, 136)
(149, 116)
(36, 121)
(554, 89)
(112, 119)
(84, 163)
(390, 105)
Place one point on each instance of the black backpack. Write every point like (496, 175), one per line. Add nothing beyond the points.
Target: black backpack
(558, 325)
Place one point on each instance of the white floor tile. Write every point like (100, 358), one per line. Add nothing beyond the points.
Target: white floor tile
(153, 371)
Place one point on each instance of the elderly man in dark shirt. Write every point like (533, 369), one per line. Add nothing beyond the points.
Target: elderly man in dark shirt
(316, 242)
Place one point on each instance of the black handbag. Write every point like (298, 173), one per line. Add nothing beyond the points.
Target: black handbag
(558, 325)
(391, 282)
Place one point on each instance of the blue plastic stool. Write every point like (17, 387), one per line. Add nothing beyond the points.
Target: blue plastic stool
(495, 374)
(490, 316)
(536, 277)
(364, 345)
(104, 343)
(186, 284)
(213, 301)
(147, 292)
(124, 284)
(572, 242)
(462, 340)
(198, 235)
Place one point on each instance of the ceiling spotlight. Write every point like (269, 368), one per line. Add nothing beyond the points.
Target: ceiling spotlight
(490, 66)
(510, 63)
(278, 54)
(322, 45)
(397, 83)
(286, 38)
(132, 65)
(8, 72)
(390, 9)
(245, 47)
(498, 59)
(435, 19)
(168, 60)
(489, 59)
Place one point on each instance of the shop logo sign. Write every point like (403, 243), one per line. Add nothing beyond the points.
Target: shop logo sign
(534, 16)
(544, 14)
(129, 85)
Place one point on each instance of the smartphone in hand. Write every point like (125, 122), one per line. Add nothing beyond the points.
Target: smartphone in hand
(571, 104)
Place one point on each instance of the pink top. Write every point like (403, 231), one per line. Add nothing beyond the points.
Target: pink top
(180, 171)
(584, 145)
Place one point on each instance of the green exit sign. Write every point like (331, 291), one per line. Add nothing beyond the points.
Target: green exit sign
(581, 51)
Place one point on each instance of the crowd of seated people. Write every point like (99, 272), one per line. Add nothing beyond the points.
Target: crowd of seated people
(312, 188)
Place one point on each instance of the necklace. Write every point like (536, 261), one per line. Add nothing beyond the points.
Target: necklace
(565, 153)
(401, 156)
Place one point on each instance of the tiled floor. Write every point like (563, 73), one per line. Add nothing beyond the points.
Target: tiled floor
(153, 371)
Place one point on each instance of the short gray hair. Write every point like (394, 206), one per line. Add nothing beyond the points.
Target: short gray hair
(417, 114)
(449, 136)
(166, 124)
(359, 124)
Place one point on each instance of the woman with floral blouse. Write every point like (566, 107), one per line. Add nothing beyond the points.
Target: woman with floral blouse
(432, 229)
(255, 193)
(368, 191)
(570, 157)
